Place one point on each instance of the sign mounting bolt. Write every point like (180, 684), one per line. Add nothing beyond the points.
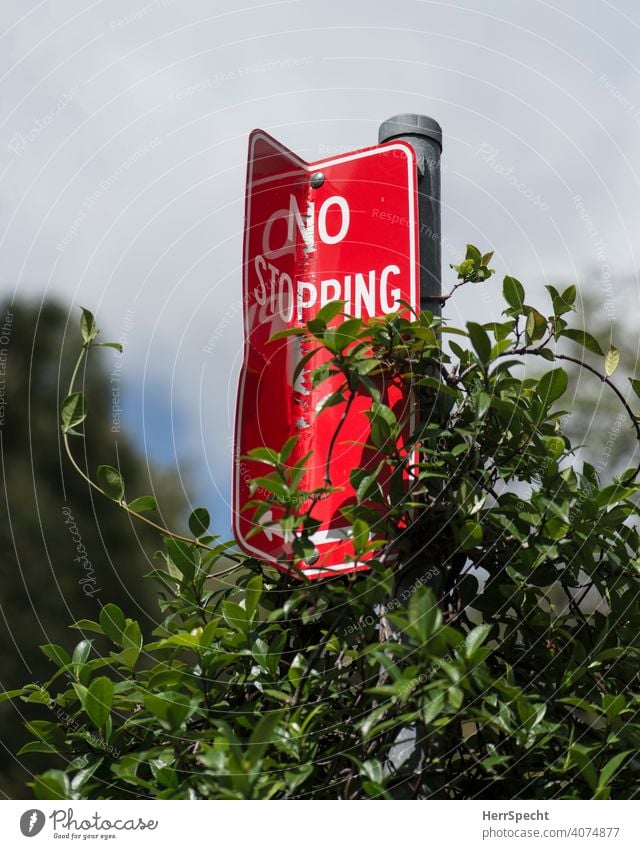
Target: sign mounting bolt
(317, 180)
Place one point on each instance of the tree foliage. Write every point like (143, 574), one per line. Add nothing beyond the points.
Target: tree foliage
(465, 663)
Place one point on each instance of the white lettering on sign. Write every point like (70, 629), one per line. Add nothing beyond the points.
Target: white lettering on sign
(358, 291)
(275, 292)
(387, 306)
(335, 200)
(306, 225)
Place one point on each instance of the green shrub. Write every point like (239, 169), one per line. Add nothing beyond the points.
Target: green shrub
(496, 658)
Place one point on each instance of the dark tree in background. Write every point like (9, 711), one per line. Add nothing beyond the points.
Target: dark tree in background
(64, 552)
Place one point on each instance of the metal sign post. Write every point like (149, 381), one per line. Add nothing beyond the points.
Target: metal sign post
(425, 137)
(424, 134)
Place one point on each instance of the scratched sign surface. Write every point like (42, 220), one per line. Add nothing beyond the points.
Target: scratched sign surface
(351, 238)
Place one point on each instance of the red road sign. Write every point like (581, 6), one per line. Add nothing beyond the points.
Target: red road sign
(352, 238)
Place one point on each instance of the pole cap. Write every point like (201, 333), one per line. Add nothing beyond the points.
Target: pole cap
(410, 124)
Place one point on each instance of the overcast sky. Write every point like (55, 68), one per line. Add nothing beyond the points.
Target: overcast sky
(123, 152)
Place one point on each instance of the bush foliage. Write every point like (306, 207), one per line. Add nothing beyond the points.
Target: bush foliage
(491, 651)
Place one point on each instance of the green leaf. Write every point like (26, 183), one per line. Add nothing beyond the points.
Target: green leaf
(265, 455)
(360, 534)
(131, 645)
(113, 622)
(513, 292)
(73, 410)
(262, 736)
(329, 311)
(473, 254)
(99, 700)
(34, 694)
(297, 669)
(81, 652)
(253, 594)
(568, 297)
(116, 345)
(88, 325)
(552, 385)
(144, 504)
(456, 697)
(199, 521)
(235, 617)
(40, 747)
(347, 332)
(433, 708)
(87, 625)
(300, 367)
(7, 695)
(635, 385)
(609, 770)
(480, 341)
(482, 405)
(614, 493)
(287, 448)
(585, 339)
(475, 639)
(471, 535)
(260, 652)
(297, 777)
(171, 708)
(426, 334)
(56, 653)
(613, 705)
(536, 325)
(288, 331)
(52, 732)
(366, 486)
(562, 303)
(52, 784)
(424, 614)
(556, 529)
(110, 482)
(611, 360)
(82, 776)
(184, 557)
(383, 423)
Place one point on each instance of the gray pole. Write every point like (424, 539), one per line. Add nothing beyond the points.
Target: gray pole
(424, 134)
(425, 137)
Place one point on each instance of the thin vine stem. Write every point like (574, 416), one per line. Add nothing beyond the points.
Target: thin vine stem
(122, 504)
(334, 437)
(605, 379)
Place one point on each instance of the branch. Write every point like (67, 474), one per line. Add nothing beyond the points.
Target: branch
(334, 437)
(611, 385)
(314, 657)
(442, 299)
(122, 504)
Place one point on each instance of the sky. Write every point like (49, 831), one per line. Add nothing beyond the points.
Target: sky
(123, 144)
